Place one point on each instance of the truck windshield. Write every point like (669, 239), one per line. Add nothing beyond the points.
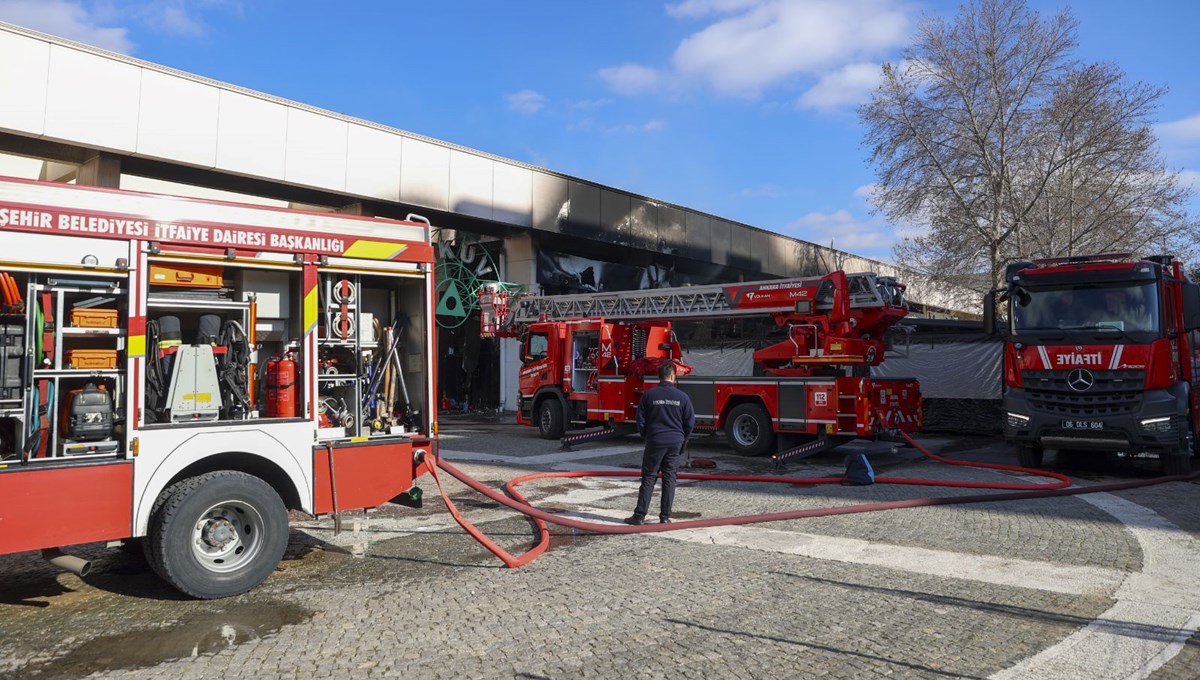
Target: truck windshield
(1090, 308)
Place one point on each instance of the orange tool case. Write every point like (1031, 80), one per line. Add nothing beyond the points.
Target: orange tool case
(93, 318)
(92, 358)
(186, 275)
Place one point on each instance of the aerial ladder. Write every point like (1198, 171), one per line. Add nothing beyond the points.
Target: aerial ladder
(584, 359)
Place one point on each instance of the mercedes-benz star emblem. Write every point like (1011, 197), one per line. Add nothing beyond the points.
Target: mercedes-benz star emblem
(1081, 380)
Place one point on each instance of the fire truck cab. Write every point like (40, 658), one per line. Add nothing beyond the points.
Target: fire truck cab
(183, 373)
(1102, 356)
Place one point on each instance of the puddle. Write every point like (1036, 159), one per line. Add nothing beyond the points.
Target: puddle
(573, 538)
(201, 633)
(676, 515)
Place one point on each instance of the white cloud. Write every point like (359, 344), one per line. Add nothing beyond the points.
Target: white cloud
(845, 232)
(1184, 130)
(66, 19)
(866, 192)
(1180, 140)
(1190, 178)
(105, 23)
(850, 85)
(773, 40)
(526, 101)
(749, 46)
(631, 78)
(648, 126)
(700, 8)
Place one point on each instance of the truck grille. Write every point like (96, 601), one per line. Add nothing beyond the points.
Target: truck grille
(1114, 393)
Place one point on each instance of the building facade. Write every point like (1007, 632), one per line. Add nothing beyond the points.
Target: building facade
(79, 114)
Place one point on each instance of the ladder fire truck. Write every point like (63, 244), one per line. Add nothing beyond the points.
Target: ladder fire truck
(586, 360)
(1102, 355)
(183, 372)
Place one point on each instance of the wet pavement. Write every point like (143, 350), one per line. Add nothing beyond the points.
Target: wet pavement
(1087, 586)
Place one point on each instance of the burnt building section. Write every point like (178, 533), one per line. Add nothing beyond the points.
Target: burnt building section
(78, 114)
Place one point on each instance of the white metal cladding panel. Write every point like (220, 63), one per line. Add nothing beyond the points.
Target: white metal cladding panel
(177, 119)
(425, 174)
(316, 150)
(20, 247)
(470, 184)
(24, 66)
(251, 136)
(92, 100)
(512, 197)
(373, 163)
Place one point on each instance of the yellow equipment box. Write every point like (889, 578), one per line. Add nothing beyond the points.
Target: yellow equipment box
(92, 358)
(93, 318)
(186, 275)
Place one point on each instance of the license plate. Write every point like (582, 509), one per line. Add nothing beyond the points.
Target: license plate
(1083, 424)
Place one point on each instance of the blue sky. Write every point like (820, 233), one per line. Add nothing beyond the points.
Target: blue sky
(741, 108)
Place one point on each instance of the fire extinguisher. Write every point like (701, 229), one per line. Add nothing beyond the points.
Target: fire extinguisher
(272, 399)
(281, 386)
(285, 399)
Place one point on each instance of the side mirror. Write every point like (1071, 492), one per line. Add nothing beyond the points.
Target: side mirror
(522, 353)
(1191, 306)
(989, 313)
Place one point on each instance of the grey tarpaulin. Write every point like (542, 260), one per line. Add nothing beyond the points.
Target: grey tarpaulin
(732, 362)
(959, 368)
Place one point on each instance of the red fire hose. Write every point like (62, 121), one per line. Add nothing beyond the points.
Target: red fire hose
(519, 503)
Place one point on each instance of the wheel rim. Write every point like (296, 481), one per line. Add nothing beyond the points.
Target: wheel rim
(547, 420)
(228, 536)
(745, 430)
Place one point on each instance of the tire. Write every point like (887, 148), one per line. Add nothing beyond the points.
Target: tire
(1030, 455)
(217, 535)
(550, 418)
(748, 429)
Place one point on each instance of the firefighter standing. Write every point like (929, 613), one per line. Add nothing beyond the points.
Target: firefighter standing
(665, 418)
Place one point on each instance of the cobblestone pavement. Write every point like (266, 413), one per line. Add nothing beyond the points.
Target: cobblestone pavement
(1084, 586)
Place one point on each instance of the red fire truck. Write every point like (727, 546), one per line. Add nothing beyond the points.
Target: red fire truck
(586, 358)
(1102, 356)
(183, 372)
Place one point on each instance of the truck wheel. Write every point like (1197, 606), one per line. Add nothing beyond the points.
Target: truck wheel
(218, 534)
(550, 419)
(749, 430)
(1030, 455)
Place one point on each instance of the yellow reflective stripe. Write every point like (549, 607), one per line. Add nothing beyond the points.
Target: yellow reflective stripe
(374, 250)
(137, 346)
(310, 310)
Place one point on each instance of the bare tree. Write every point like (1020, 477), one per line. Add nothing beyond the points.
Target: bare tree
(997, 145)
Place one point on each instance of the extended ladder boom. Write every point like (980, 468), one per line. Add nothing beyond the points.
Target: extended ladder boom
(779, 296)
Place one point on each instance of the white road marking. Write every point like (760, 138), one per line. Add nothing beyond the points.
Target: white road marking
(1049, 576)
(1156, 609)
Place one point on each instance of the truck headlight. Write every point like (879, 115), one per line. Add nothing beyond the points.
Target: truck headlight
(1156, 424)
(1017, 420)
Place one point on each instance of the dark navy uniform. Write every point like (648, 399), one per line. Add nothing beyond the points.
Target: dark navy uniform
(665, 417)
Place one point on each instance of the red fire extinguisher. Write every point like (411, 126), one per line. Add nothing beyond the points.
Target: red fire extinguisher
(281, 386)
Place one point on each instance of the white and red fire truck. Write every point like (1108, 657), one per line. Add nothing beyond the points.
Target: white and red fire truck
(187, 371)
(1102, 357)
(586, 358)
